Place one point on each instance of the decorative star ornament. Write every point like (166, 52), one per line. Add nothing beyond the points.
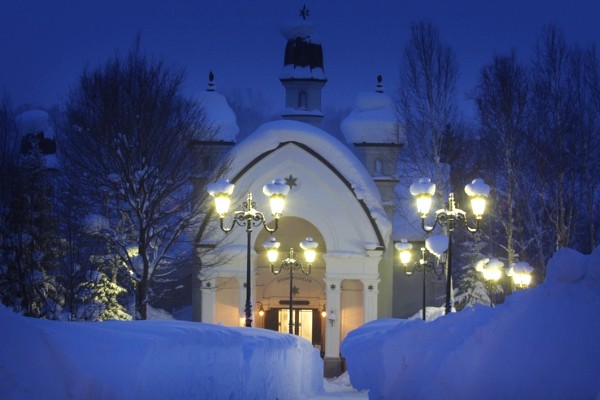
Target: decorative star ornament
(291, 181)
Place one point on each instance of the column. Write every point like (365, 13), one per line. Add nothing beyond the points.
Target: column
(332, 360)
(370, 292)
(208, 292)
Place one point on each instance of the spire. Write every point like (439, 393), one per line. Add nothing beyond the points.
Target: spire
(379, 88)
(211, 83)
(303, 75)
(304, 12)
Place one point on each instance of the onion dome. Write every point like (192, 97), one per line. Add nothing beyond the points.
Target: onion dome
(303, 52)
(373, 119)
(218, 112)
(36, 133)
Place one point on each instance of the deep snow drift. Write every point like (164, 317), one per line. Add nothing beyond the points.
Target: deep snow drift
(542, 343)
(42, 359)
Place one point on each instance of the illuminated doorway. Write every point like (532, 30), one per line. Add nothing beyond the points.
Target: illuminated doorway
(307, 323)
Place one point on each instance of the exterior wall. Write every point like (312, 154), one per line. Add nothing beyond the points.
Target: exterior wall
(227, 302)
(351, 305)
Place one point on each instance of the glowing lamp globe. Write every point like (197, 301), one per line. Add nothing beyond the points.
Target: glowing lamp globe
(221, 191)
(404, 248)
(478, 192)
(277, 192)
(272, 246)
(310, 249)
(423, 191)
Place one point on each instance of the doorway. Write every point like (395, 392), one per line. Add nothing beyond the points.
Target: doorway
(307, 322)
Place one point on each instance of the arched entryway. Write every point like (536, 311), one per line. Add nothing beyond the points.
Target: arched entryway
(308, 291)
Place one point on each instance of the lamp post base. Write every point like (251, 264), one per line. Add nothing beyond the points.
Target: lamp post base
(332, 367)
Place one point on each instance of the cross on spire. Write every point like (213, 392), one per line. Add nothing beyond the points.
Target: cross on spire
(304, 12)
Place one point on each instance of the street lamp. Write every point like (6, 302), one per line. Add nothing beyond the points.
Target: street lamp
(491, 269)
(248, 217)
(291, 264)
(520, 272)
(449, 217)
(421, 265)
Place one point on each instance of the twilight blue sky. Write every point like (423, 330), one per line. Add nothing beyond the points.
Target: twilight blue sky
(44, 45)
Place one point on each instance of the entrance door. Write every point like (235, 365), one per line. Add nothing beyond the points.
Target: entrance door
(303, 322)
(307, 323)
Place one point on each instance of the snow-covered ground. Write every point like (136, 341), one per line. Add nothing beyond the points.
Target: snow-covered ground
(542, 343)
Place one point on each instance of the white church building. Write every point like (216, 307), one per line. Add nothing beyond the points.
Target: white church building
(341, 195)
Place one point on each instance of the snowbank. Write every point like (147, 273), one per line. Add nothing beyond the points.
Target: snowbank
(542, 343)
(42, 359)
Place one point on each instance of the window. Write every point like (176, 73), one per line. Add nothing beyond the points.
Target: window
(302, 100)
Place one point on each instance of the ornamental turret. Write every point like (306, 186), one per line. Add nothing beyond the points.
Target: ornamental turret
(303, 75)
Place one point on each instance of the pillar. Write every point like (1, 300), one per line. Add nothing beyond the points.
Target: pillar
(333, 362)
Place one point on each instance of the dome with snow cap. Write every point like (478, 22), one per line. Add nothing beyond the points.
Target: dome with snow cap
(218, 112)
(36, 132)
(303, 52)
(35, 121)
(373, 119)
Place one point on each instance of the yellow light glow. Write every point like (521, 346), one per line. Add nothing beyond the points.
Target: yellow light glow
(272, 255)
(491, 274)
(222, 202)
(423, 204)
(310, 255)
(261, 312)
(521, 279)
(478, 205)
(133, 251)
(323, 313)
(405, 256)
(277, 203)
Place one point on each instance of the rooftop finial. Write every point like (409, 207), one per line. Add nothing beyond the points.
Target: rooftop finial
(379, 88)
(211, 83)
(304, 12)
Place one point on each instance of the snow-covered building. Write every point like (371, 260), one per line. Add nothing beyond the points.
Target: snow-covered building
(341, 195)
(37, 135)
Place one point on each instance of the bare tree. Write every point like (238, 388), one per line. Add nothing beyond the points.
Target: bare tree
(586, 76)
(128, 142)
(427, 100)
(502, 103)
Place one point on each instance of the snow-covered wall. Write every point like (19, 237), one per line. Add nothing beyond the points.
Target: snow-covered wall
(42, 359)
(542, 343)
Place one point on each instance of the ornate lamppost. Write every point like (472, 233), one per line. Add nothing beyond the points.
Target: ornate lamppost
(291, 264)
(421, 265)
(249, 218)
(449, 217)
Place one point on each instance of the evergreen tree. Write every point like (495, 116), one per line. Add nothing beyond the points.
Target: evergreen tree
(101, 291)
(471, 286)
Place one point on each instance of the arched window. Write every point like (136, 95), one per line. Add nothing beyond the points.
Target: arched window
(378, 167)
(302, 100)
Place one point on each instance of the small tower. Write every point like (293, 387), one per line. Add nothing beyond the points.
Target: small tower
(374, 130)
(221, 118)
(303, 75)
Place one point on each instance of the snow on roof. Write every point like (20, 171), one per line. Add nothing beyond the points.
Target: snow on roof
(270, 135)
(373, 120)
(220, 114)
(299, 72)
(34, 121)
